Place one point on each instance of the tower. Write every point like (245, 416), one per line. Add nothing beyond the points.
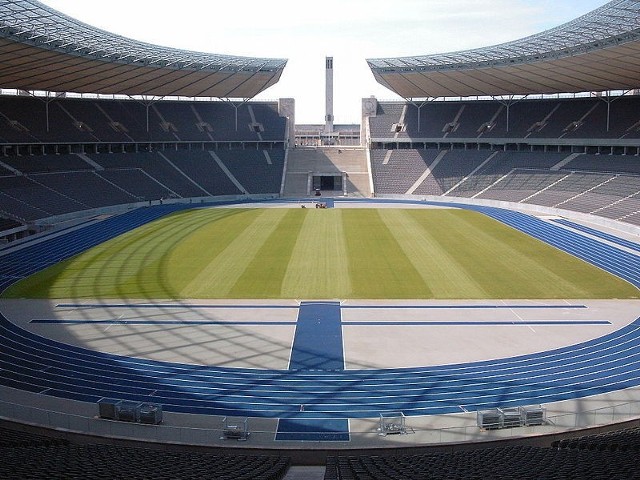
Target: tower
(328, 118)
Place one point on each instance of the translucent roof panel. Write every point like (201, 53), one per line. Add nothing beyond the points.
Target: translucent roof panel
(28, 26)
(586, 39)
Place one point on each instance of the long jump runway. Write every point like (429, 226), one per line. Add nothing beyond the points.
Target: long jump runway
(317, 366)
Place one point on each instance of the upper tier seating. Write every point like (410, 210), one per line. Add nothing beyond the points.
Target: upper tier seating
(77, 120)
(566, 118)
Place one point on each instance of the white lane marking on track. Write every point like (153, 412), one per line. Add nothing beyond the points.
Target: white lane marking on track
(521, 319)
(112, 324)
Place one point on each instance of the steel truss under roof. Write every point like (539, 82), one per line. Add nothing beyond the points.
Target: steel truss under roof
(43, 49)
(598, 51)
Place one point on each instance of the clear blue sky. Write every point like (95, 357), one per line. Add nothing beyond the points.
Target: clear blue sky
(306, 32)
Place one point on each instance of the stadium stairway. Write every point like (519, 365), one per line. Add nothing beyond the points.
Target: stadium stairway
(330, 161)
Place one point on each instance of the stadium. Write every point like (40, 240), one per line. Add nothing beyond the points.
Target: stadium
(193, 285)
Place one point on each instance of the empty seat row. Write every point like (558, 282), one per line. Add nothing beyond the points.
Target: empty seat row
(100, 461)
(519, 462)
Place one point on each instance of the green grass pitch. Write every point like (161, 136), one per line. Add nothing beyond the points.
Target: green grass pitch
(323, 253)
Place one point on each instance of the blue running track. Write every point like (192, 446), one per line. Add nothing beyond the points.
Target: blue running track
(40, 365)
(597, 233)
(319, 389)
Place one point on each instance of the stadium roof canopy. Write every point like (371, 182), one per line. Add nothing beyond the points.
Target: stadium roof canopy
(597, 52)
(43, 49)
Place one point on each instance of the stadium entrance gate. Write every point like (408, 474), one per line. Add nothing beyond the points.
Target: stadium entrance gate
(331, 182)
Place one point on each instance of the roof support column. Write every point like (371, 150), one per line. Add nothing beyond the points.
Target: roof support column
(235, 106)
(511, 100)
(147, 102)
(46, 113)
(419, 106)
(47, 100)
(606, 97)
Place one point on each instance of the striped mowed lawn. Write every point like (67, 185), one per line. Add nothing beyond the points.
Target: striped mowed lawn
(323, 253)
